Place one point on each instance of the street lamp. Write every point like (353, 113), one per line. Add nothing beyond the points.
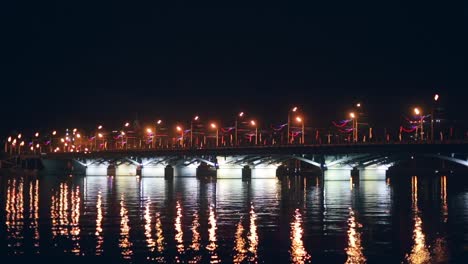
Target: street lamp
(354, 117)
(213, 125)
(241, 114)
(150, 133)
(253, 123)
(294, 109)
(421, 118)
(191, 130)
(300, 120)
(181, 135)
(156, 130)
(436, 98)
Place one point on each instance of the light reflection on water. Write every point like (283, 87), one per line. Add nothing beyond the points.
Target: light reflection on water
(260, 221)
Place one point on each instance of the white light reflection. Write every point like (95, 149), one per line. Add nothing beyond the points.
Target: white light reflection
(240, 244)
(354, 249)
(253, 236)
(149, 239)
(159, 235)
(419, 252)
(443, 197)
(15, 214)
(195, 239)
(75, 221)
(179, 233)
(298, 251)
(211, 247)
(34, 212)
(99, 233)
(124, 241)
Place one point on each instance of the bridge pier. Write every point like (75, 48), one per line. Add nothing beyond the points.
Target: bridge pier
(111, 170)
(355, 175)
(281, 171)
(204, 171)
(246, 173)
(168, 172)
(138, 170)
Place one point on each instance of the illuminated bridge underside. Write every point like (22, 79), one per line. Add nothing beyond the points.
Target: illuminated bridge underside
(334, 167)
(335, 161)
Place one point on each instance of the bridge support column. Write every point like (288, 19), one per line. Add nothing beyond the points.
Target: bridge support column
(246, 173)
(168, 172)
(138, 170)
(281, 171)
(355, 175)
(204, 171)
(111, 170)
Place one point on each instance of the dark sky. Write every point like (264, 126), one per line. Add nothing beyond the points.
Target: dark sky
(70, 63)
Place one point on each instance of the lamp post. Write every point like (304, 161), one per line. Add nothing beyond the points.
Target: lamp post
(96, 136)
(300, 120)
(421, 118)
(241, 114)
(181, 135)
(150, 133)
(294, 109)
(253, 123)
(436, 98)
(156, 130)
(355, 126)
(214, 126)
(191, 130)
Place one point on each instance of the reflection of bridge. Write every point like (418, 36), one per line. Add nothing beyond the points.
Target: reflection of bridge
(255, 161)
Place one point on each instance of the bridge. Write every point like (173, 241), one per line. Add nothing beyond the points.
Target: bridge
(367, 161)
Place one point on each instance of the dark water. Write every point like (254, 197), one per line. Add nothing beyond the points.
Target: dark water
(417, 220)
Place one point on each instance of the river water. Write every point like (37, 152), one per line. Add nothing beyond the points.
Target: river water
(414, 220)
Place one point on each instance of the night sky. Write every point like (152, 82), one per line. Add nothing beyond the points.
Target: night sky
(68, 63)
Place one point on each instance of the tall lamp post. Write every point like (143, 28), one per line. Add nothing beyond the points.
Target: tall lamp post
(436, 98)
(214, 126)
(156, 131)
(420, 117)
(179, 128)
(253, 123)
(240, 115)
(150, 133)
(191, 130)
(300, 120)
(294, 109)
(355, 126)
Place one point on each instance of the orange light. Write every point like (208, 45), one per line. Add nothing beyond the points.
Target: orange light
(19, 135)
(352, 115)
(252, 122)
(149, 130)
(22, 143)
(298, 119)
(63, 140)
(179, 128)
(122, 133)
(100, 135)
(416, 111)
(78, 135)
(213, 125)
(74, 130)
